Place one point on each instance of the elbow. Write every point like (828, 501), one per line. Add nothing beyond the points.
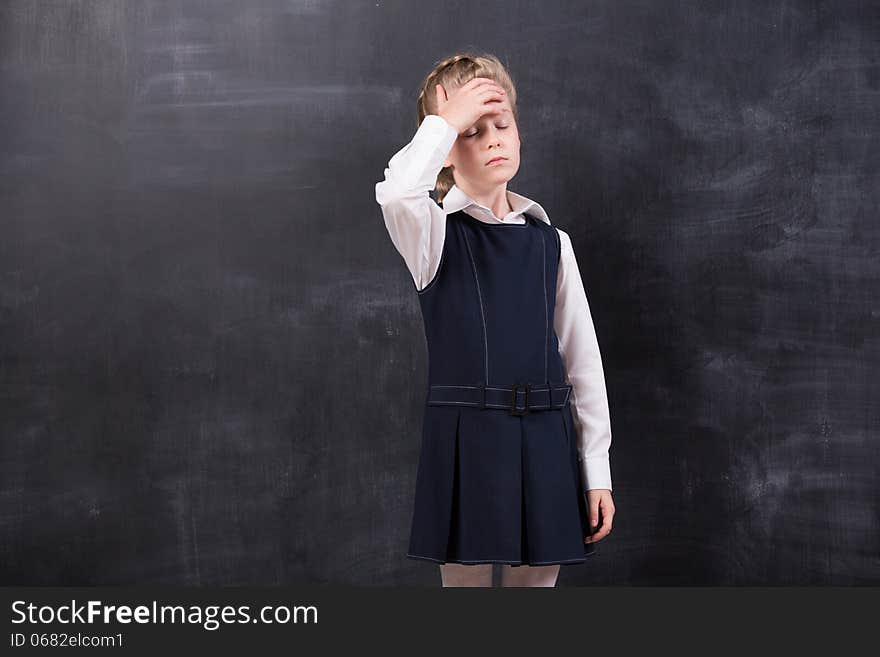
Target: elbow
(385, 193)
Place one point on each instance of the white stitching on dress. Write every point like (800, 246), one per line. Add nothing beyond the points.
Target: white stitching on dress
(480, 297)
(437, 402)
(546, 311)
(540, 389)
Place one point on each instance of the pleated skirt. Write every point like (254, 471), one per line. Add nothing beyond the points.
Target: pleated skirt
(498, 488)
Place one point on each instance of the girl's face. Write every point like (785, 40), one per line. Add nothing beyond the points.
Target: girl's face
(490, 137)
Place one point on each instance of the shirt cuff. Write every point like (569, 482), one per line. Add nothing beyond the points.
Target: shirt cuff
(595, 472)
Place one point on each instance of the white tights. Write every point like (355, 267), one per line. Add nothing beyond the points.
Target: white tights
(456, 574)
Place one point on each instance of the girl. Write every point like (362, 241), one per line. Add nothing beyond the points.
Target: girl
(514, 465)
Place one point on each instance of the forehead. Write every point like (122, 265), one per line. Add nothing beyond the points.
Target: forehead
(506, 113)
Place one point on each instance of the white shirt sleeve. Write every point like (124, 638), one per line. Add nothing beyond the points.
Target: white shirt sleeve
(415, 222)
(579, 349)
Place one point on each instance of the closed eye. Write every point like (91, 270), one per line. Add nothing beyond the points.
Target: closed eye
(474, 134)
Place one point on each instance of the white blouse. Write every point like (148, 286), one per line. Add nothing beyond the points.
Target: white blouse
(417, 226)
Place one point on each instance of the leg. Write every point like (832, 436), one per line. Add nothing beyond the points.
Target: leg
(529, 575)
(457, 574)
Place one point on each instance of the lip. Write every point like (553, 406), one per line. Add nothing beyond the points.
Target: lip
(496, 160)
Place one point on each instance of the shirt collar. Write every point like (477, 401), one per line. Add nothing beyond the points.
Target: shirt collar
(456, 200)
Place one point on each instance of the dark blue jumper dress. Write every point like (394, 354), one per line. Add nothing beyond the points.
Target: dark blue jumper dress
(498, 478)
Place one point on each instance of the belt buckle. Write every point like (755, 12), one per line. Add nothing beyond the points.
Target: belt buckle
(513, 407)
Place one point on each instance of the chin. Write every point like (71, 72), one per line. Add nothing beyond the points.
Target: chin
(499, 179)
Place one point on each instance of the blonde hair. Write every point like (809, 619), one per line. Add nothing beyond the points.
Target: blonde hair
(452, 72)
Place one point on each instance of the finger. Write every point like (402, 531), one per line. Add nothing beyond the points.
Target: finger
(492, 84)
(492, 93)
(602, 532)
(604, 528)
(493, 89)
(598, 536)
(594, 514)
(479, 83)
(492, 102)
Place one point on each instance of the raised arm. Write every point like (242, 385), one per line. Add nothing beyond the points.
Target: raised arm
(416, 224)
(579, 349)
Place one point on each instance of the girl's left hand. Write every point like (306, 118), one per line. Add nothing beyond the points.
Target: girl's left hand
(599, 501)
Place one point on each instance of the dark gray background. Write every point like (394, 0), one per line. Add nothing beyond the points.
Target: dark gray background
(212, 362)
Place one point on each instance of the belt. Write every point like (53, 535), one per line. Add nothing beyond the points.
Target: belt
(519, 398)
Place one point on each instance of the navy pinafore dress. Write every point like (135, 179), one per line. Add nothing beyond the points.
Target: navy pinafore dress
(498, 478)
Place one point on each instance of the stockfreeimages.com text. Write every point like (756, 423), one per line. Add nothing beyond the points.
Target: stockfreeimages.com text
(210, 616)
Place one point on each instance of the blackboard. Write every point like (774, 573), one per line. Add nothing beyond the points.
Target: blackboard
(211, 356)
